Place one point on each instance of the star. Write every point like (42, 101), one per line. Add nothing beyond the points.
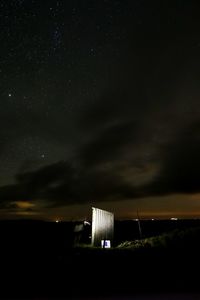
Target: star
(80, 78)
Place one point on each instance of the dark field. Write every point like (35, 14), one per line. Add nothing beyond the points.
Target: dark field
(39, 261)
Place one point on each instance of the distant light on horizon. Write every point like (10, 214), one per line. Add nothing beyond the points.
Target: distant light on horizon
(174, 219)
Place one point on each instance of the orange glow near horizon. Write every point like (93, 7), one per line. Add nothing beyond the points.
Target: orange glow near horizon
(165, 207)
(24, 204)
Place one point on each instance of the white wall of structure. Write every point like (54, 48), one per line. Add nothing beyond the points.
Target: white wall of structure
(102, 226)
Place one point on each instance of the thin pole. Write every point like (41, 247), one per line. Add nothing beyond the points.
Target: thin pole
(139, 225)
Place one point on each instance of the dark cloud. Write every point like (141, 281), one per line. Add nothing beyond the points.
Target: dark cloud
(61, 184)
(114, 106)
(110, 143)
(67, 183)
(180, 165)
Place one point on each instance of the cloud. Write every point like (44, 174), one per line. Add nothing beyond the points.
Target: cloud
(180, 164)
(136, 142)
(110, 143)
(66, 183)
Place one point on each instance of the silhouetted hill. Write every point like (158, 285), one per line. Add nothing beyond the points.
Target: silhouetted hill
(38, 259)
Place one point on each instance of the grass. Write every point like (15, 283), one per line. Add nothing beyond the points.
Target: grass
(188, 238)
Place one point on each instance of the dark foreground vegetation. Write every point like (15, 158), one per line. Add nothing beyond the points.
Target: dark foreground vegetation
(39, 260)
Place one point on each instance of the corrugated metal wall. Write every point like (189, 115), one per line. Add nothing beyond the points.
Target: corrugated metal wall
(102, 226)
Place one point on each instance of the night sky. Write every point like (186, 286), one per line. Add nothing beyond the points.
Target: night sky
(99, 107)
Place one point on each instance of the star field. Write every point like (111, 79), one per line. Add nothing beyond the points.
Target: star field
(96, 90)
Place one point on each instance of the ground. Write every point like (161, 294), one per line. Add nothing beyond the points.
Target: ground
(32, 268)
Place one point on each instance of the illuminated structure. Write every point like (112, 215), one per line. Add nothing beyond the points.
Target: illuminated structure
(102, 227)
